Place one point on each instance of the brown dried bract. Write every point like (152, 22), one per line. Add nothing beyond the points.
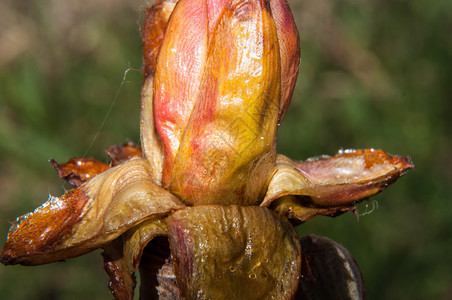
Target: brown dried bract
(79, 170)
(153, 31)
(122, 153)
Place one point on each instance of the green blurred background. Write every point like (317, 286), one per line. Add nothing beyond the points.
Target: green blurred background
(373, 74)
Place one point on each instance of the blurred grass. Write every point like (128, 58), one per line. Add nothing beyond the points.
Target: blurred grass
(373, 74)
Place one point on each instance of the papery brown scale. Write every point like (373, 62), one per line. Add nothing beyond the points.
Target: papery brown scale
(122, 153)
(153, 31)
(79, 170)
